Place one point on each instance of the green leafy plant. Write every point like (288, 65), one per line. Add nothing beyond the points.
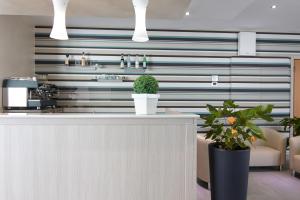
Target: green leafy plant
(234, 129)
(146, 84)
(291, 123)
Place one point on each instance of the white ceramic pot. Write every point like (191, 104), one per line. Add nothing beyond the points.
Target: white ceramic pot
(145, 104)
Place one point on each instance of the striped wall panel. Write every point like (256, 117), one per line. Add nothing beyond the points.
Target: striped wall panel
(182, 61)
(107, 42)
(278, 44)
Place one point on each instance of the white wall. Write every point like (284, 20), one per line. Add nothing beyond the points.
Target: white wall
(16, 47)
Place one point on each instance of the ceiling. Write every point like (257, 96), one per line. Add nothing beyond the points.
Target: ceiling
(96, 8)
(255, 15)
(230, 15)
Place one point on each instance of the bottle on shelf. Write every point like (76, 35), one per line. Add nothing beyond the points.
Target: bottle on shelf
(128, 62)
(67, 60)
(87, 60)
(137, 62)
(145, 62)
(122, 64)
(83, 60)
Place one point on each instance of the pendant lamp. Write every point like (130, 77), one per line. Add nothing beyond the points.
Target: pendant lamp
(59, 30)
(140, 32)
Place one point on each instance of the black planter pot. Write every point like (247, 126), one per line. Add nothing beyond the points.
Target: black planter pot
(228, 173)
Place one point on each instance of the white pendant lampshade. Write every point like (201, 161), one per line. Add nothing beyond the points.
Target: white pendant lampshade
(59, 30)
(140, 32)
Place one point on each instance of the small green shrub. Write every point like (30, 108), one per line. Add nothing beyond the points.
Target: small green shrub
(145, 84)
(292, 123)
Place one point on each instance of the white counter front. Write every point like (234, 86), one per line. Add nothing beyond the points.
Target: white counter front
(97, 156)
(94, 115)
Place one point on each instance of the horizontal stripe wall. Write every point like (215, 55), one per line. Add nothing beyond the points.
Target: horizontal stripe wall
(182, 61)
(278, 44)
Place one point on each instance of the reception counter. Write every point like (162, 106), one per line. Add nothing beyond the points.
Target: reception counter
(97, 157)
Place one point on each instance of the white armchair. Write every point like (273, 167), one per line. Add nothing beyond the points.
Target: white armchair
(202, 158)
(271, 152)
(295, 154)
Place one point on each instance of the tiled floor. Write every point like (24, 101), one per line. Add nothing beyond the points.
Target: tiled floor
(266, 185)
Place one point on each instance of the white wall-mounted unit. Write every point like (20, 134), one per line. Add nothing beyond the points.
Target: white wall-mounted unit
(247, 44)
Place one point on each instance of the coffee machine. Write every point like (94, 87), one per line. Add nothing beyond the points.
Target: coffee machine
(25, 93)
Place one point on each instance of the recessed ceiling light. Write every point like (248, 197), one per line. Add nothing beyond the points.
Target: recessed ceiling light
(187, 13)
(274, 6)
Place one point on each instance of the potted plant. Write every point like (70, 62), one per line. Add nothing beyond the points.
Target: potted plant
(145, 97)
(233, 131)
(292, 122)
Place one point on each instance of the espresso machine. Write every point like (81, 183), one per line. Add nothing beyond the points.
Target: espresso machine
(20, 93)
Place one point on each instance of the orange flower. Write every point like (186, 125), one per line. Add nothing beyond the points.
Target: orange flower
(253, 139)
(234, 132)
(231, 120)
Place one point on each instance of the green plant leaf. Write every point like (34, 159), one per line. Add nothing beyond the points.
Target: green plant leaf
(235, 136)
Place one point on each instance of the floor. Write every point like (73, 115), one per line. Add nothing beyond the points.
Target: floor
(266, 185)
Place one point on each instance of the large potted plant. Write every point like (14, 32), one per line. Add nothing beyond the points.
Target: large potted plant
(145, 97)
(292, 123)
(233, 131)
